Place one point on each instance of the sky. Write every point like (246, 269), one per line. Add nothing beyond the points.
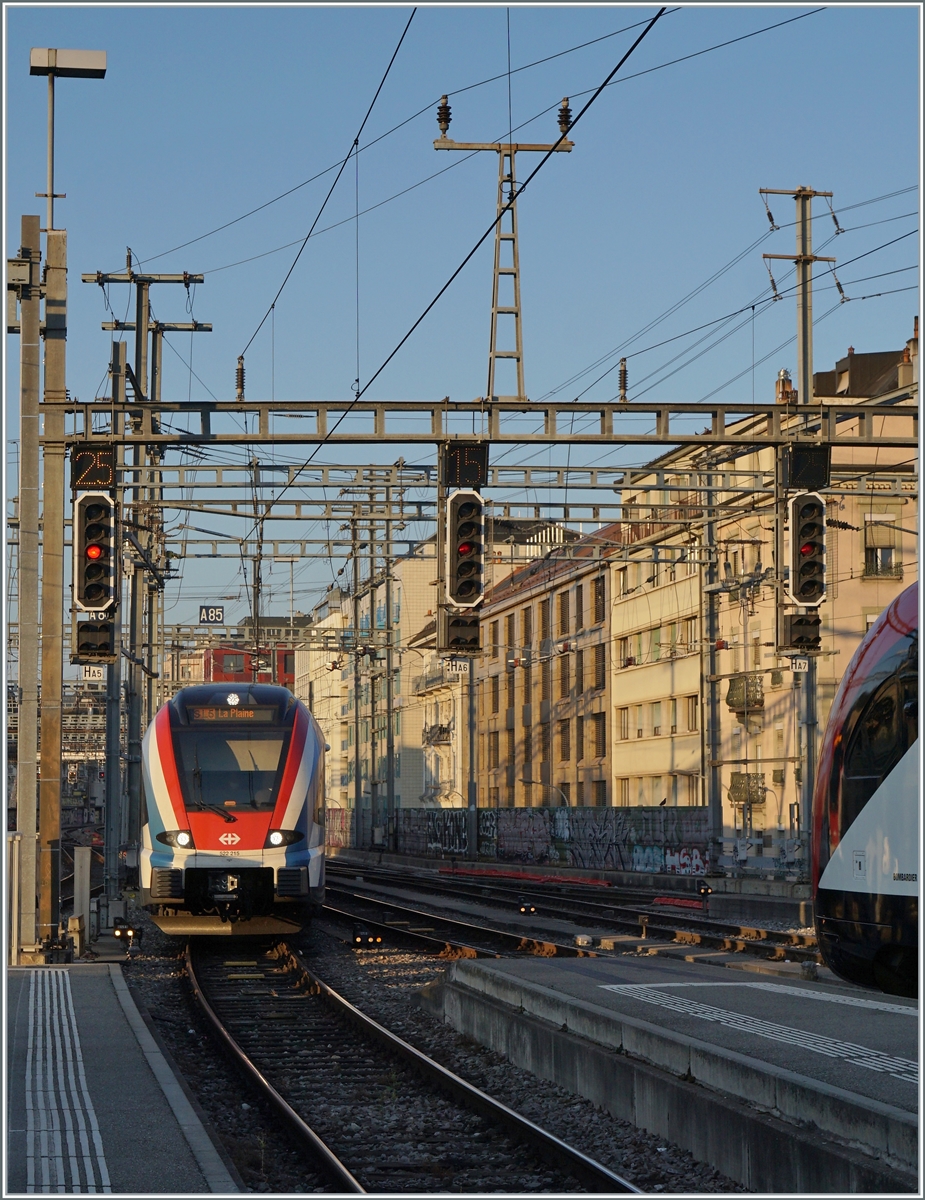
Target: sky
(652, 226)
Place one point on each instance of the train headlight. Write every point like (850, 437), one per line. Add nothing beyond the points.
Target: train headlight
(282, 837)
(176, 837)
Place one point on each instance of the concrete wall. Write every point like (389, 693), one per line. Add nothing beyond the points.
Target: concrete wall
(663, 840)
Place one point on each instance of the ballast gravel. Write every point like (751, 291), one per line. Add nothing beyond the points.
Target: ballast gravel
(383, 983)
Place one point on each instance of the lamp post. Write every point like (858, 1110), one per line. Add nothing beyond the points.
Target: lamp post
(565, 799)
(42, 878)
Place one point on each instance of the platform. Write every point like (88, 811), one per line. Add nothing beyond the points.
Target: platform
(93, 1104)
(721, 1063)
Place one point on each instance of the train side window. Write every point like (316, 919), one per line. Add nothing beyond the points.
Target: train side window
(910, 691)
(876, 746)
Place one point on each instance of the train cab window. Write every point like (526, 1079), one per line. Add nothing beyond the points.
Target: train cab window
(230, 769)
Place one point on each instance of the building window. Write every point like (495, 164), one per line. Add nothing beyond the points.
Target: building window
(289, 662)
(545, 632)
(528, 751)
(566, 790)
(880, 557)
(527, 623)
(528, 795)
(600, 731)
(624, 714)
(657, 718)
(494, 797)
(655, 641)
(624, 785)
(579, 739)
(495, 693)
(233, 664)
(693, 704)
(509, 634)
(599, 793)
(600, 666)
(544, 741)
(509, 796)
(495, 630)
(565, 741)
(623, 647)
(546, 681)
(564, 621)
(622, 584)
(673, 715)
(510, 689)
(579, 607)
(639, 726)
(579, 672)
(579, 794)
(597, 587)
(510, 747)
(565, 676)
(528, 685)
(493, 750)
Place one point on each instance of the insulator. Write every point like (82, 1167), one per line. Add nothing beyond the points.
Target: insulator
(128, 259)
(771, 218)
(239, 378)
(623, 380)
(443, 115)
(565, 116)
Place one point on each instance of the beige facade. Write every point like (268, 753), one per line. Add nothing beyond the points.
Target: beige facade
(591, 685)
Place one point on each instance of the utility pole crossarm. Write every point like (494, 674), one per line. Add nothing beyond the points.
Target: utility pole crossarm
(102, 277)
(163, 326)
(504, 147)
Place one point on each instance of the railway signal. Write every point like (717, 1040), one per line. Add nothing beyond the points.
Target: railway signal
(95, 558)
(803, 631)
(465, 549)
(94, 640)
(807, 585)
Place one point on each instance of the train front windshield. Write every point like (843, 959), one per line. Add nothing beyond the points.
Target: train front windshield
(230, 769)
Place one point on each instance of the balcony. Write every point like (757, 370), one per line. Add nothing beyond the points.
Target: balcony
(433, 678)
(434, 735)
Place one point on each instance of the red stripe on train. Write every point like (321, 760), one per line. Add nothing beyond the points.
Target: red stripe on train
(293, 765)
(169, 766)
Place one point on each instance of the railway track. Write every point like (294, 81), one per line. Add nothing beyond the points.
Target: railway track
(374, 1113)
(616, 914)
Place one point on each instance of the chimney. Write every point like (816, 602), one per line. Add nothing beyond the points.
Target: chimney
(850, 351)
(784, 392)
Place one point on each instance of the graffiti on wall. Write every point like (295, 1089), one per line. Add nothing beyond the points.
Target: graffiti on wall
(665, 840)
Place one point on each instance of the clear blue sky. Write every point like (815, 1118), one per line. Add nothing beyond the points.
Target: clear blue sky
(206, 113)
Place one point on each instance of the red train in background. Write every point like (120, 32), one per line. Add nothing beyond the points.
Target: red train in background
(234, 664)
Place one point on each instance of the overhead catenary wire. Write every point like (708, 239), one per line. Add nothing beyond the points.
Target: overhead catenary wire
(340, 171)
(514, 196)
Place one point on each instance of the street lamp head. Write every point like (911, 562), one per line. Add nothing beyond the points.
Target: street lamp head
(67, 64)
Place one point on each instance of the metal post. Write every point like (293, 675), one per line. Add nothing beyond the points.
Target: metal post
(506, 176)
(712, 708)
(472, 788)
(50, 206)
(357, 780)
(52, 581)
(14, 843)
(28, 593)
(391, 815)
(82, 883)
(112, 813)
(137, 582)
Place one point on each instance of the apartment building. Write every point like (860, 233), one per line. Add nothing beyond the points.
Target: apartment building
(591, 687)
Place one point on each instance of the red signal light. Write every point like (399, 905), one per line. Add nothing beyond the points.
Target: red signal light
(465, 548)
(807, 548)
(94, 552)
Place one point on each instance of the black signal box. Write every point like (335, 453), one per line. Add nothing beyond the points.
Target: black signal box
(93, 641)
(806, 468)
(802, 632)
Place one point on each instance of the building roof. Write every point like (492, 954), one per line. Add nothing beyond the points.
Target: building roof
(560, 560)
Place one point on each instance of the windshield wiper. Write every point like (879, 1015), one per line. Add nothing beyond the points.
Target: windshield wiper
(222, 812)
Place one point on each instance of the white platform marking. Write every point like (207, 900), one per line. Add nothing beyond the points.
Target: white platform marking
(860, 1056)
(57, 1094)
(880, 1005)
